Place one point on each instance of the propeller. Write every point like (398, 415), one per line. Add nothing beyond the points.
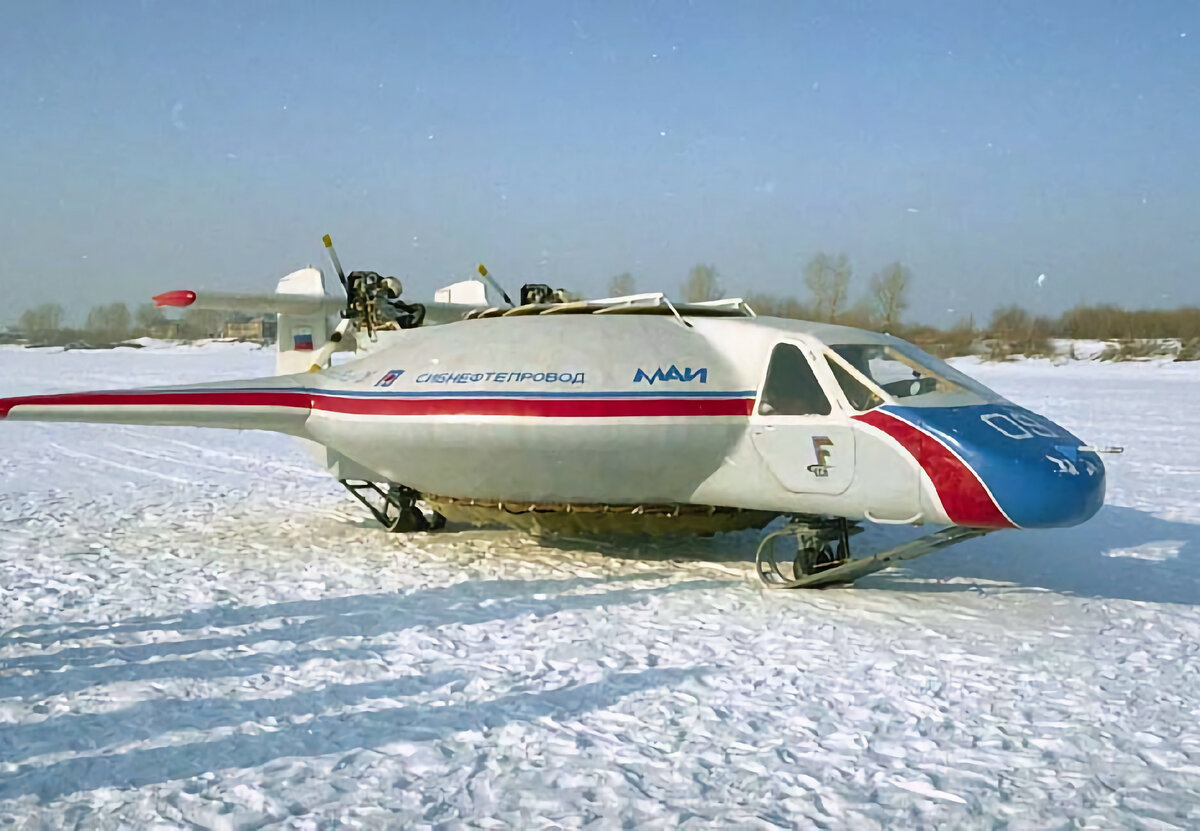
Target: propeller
(333, 258)
(324, 355)
(346, 327)
(483, 272)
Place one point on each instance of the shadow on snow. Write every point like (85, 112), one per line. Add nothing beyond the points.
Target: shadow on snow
(327, 733)
(1121, 554)
(347, 616)
(307, 727)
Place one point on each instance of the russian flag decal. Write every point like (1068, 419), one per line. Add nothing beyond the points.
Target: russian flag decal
(302, 343)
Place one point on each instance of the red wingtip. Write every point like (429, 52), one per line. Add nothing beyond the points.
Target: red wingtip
(183, 297)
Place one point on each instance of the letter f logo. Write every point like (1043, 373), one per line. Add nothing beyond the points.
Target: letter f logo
(819, 445)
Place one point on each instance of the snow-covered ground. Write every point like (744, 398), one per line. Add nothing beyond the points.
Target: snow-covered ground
(199, 629)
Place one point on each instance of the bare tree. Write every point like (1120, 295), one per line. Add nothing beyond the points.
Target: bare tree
(1010, 322)
(149, 315)
(109, 321)
(889, 287)
(702, 284)
(621, 285)
(860, 314)
(828, 278)
(1014, 330)
(41, 319)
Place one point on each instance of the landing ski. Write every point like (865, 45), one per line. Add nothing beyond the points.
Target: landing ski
(852, 569)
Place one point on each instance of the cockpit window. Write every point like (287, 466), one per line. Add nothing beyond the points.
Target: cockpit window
(791, 387)
(858, 394)
(905, 372)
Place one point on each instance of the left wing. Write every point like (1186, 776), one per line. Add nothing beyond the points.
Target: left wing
(280, 403)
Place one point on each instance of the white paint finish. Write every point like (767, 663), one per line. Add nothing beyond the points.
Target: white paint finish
(758, 462)
(464, 292)
(806, 454)
(890, 482)
(550, 460)
(307, 283)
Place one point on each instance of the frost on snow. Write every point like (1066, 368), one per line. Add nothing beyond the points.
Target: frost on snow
(198, 627)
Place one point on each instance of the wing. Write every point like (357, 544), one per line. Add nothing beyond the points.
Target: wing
(280, 403)
(293, 304)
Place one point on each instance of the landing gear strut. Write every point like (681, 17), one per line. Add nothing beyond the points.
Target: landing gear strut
(822, 544)
(823, 553)
(395, 508)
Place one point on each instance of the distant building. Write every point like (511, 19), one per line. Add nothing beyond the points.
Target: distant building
(260, 329)
(164, 331)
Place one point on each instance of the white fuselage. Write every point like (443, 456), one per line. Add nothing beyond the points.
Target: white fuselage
(617, 409)
(545, 405)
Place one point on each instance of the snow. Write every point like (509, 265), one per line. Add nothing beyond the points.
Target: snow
(199, 628)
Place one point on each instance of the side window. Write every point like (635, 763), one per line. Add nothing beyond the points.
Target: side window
(791, 387)
(857, 394)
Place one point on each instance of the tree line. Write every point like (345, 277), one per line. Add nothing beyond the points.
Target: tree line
(827, 278)
(1011, 329)
(828, 297)
(112, 323)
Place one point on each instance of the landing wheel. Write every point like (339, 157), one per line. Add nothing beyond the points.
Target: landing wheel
(407, 520)
(821, 545)
(812, 558)
(823, 556)
(395, 508)
(847, 571)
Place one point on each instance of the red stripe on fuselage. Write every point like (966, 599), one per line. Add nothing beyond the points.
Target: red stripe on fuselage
(231, 398)
(537, 407)
(399, 406)
(966, 500)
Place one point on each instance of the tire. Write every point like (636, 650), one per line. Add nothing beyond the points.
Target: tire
(806, 558)
(408, 520)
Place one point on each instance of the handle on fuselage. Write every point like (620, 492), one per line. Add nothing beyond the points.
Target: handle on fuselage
(915, 518)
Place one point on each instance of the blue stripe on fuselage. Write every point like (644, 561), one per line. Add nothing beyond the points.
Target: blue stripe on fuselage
(473, 393)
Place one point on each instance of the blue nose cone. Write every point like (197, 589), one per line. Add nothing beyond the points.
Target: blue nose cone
(1034, 469)
(1065, 486)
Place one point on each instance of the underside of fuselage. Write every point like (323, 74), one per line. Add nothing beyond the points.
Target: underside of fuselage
(575, 519)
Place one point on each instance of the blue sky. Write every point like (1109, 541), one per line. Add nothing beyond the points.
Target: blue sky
(167, 145)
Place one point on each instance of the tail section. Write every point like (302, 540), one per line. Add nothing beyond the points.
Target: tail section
(301, 335)
(299, 302)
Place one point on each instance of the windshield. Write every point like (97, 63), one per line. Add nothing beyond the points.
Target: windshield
(905, 372)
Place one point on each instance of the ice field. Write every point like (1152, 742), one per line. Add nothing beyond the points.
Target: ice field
(201, 629)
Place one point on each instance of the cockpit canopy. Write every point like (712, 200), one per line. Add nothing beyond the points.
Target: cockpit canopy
(904, 373)
(870, 370)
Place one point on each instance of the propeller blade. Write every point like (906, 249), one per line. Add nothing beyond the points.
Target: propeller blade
(333, 258)
(483, 272)
(321, 359)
